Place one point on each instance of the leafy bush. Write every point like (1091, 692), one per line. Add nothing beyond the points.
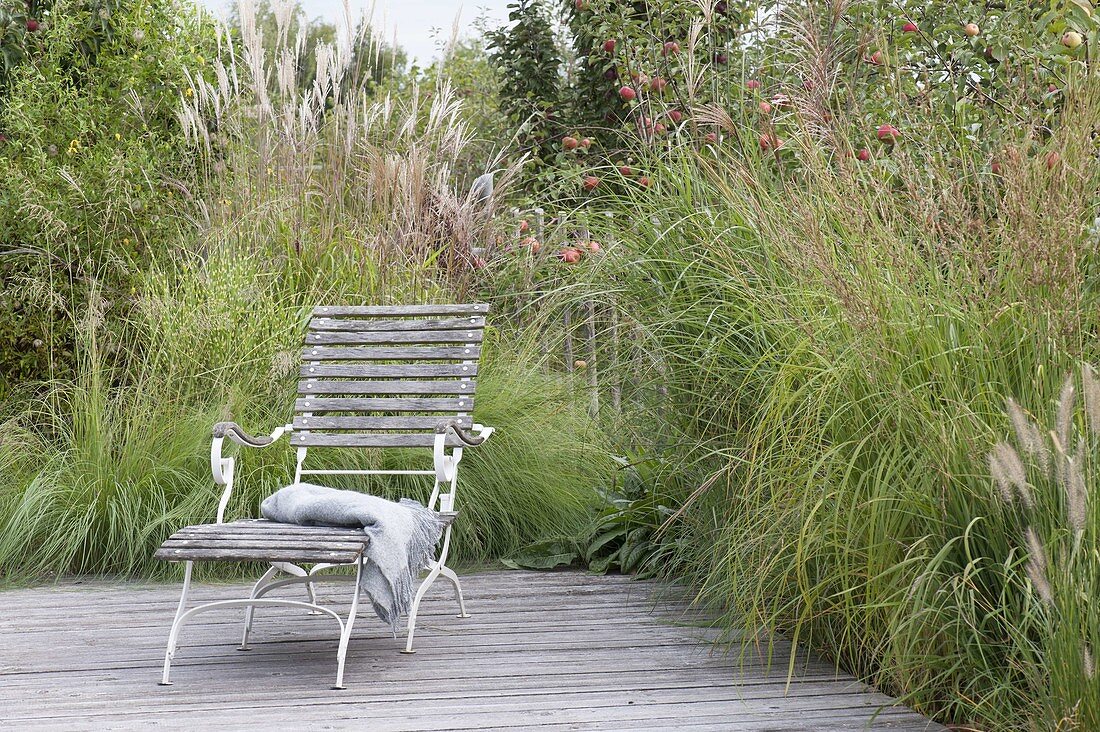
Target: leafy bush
(87, 175)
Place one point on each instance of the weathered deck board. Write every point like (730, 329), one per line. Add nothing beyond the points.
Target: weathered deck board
(546, 652)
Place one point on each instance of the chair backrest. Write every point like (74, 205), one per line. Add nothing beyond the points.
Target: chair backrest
(387, 376)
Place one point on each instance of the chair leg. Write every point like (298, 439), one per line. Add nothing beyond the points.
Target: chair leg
(345, 633)
(435, 572)
(250, 611)
(450, 575)
(173, 635)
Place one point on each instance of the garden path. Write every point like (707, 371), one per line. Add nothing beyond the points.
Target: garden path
(543, 651)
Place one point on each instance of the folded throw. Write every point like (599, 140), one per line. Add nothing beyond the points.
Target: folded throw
(402, 537)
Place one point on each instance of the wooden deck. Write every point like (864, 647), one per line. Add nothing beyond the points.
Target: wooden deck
(561, 651)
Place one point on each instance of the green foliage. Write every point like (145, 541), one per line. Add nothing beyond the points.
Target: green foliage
(837, 340)
(529, 64)
(87, 173)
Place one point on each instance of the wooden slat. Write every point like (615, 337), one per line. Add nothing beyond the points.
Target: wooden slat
(437, 353)
(479, 308)
(450, 386)
(354, 324)
(391, 404)
(256, 541)
(391, 370)
(354, 338)
(409, 424)
(368, 439)
(342, 556)
(249, 526)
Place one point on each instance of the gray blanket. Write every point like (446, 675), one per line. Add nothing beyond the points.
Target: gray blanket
(402, 537)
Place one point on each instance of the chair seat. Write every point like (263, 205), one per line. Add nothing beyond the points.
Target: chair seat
(264, 541)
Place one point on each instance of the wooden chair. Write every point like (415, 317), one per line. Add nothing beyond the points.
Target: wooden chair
(371, 377)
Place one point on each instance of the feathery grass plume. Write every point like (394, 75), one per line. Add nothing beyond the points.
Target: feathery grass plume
(1076, 494)
(1087, 662)
(1028, 436)
(1064, 419)
(1037, 565)
(1000, 476)
(1090, 388)
(1009, 472)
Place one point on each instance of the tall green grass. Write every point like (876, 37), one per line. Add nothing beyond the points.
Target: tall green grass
(99, 471)
(840, 340)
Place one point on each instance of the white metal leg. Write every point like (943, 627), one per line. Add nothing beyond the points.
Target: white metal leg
(450, 575)
(262, 587)
(421, 591)
(257, 591)
(173, 635)
(345, 634)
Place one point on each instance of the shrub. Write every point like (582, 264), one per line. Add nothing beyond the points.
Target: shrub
(87, 175)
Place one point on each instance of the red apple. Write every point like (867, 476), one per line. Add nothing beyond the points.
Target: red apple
(594, 247)
(1072, 39)
(657, 84)
(1053, 158)
(1051, 88)
(627, 94)
(644, 181)
(528, 241)
(670, 48)
(675, 115)
(586, 142)
(864, 154)
(971, 29)
(995, 167)
(569, 255)
(660, 129)
(765, 107)
(609, 45)
(569, 143)
(876, 58)
(580, 4)
(711, 138)
(721, 58)
(753, 84)
(768, 141)
(909, 27)
(626, 171)
(32, 25)
(524, 227)
(888, 134)
(590, 182)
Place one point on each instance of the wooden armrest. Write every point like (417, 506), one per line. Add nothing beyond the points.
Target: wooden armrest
(461, 434)
(233, 431)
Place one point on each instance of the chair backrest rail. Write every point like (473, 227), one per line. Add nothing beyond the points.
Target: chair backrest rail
(311, 386)
(368, 337)
(377, 422)
(384, 404)
(390, 370)
(437, 353)
(400, 310)
(359, 324)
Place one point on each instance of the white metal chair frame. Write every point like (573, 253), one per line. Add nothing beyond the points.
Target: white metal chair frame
(442, 499)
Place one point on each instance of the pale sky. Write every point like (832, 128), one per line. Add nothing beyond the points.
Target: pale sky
(417, 24)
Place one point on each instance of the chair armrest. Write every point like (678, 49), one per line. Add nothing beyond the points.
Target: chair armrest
(222, 467)
(445, 464)
(233, 431)
(467, 438)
